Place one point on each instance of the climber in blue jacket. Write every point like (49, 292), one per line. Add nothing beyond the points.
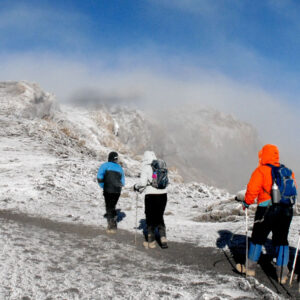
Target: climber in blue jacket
(111, 179)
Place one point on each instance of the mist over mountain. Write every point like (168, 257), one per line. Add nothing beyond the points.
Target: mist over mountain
(205, 145)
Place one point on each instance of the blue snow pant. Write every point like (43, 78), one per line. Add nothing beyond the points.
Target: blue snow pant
(275, 219)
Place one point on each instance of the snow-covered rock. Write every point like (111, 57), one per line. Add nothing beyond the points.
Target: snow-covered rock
(26, 99)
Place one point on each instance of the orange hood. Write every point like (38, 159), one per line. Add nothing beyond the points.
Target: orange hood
(269, 154)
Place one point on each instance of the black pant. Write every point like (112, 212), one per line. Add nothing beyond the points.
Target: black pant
(111, 200)
(277, 219)
(155, 205)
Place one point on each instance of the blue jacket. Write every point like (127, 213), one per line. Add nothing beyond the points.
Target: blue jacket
(111, 177)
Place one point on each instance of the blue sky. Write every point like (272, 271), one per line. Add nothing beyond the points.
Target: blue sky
(255, 42)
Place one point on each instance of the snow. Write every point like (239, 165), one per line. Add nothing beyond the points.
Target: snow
(63, 266)
(48, 165)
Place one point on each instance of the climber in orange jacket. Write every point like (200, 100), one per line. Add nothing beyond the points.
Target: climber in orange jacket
(268, 217)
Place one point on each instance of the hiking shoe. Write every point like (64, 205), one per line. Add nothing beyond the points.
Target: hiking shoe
(242, 269)
(150, 245)
(164, 242)
(283, 280)
(250, 272)
(282, 274)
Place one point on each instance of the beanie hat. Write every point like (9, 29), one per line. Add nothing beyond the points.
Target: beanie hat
(113, 156)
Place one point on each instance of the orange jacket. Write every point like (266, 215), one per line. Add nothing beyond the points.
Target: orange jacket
(260, 183)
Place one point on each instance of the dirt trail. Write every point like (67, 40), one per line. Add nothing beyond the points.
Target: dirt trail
(199, 259)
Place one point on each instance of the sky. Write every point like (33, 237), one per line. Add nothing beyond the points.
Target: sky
(239, 56)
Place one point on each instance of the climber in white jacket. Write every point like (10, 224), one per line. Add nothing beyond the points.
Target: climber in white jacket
(155, 202)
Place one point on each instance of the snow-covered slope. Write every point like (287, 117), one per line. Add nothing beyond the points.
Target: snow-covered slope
(49, 156)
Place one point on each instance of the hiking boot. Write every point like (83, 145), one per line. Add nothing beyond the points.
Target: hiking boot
(150, 238)
(164, 242)
(111, 226)
(282, 274)
(250, 271)
(240, 268)
(151, 245)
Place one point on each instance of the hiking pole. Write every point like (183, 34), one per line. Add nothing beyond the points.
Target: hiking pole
(136, 213)
(246, 214)
(295, 260)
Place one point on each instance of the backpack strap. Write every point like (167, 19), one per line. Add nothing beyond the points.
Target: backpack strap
(273, 177)
(272, 170)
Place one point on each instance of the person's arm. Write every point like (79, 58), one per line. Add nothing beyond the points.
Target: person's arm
(122, 177)
(254, 187)
(293, 175)
(100, 175)
(144, 178)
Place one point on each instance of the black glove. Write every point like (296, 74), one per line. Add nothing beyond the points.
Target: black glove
(135, 188)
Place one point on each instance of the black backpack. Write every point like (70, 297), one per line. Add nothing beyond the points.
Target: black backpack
(160, 178)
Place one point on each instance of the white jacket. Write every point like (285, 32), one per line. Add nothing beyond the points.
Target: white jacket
(146, 175)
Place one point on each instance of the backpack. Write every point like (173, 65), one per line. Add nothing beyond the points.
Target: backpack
(286, 184)
(160, 178)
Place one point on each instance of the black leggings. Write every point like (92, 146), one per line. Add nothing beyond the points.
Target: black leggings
(276, 219)
(155, 205)
(111, 200)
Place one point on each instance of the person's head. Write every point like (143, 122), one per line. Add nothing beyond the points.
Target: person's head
(269, 155)
(148, 157)
(113, 157)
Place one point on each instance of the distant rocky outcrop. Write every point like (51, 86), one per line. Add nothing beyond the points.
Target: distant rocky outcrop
(31, 102)
(205, 145)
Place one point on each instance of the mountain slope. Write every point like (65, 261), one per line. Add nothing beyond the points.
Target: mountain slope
(49, 156)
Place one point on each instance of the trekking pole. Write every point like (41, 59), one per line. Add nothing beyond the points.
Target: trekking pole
(295, 260)
(136, 213)
(246, 214)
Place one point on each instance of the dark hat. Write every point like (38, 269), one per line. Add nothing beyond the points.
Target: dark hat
(113, 156)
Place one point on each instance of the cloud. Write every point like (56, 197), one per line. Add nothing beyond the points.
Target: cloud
(151, 87)
(204, 7)
(275, 119)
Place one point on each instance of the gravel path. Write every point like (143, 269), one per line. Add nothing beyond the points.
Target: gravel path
(44, 259)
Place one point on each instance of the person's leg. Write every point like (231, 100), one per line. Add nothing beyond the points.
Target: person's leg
(111, 200)
(161, 205)
(280, 241)
(150, 220)
(114, 200)
(261, 229)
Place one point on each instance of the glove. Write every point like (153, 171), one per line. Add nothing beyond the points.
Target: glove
(135, 188)
(245, 205)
